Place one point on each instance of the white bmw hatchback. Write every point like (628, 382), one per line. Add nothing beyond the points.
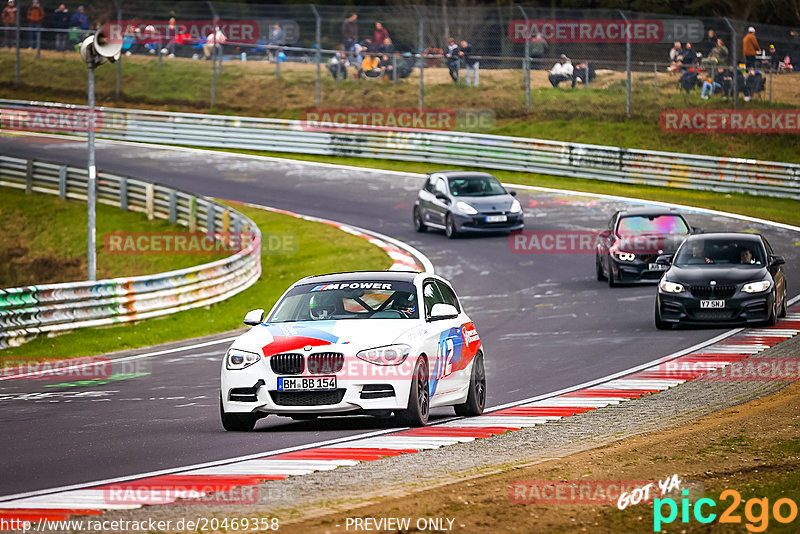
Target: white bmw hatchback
(363, 343)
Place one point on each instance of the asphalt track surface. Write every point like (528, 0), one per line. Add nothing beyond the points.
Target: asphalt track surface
(545, 322)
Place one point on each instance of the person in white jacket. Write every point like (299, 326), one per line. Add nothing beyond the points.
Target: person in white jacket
(561, 71)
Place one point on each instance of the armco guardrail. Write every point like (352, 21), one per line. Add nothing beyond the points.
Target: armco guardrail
(28, 311)
(439, 147)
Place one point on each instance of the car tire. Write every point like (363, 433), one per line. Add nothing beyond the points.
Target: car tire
(599, 268)
(476, 398)
(419, 398)
(661, 325)
(237, 422)
(304, 417)
(450, 227)
(611, 282)
(419, 225)
(782, 313)
(772, 319)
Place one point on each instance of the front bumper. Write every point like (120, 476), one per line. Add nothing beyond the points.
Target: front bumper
(635, 272)
(741, 309)
(477, 223)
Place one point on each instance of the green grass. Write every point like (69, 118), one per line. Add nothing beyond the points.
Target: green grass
(44, 241)
(322, 249)
(595, 116)
(774, 209)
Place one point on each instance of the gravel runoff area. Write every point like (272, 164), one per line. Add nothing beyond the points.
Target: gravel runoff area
(317, 494)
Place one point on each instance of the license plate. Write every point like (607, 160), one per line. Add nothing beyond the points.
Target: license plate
(496, 218)
(712, 303)
(657, 267)
(303, 383)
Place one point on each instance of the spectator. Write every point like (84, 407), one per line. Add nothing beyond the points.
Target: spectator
(711, 84)
(359, 49)
(181, 37)
(470, 62)
(35, 18)
(349, 32)
(9, 21)
(61, 22)
(453, 61)
(675, 57)
(387, 47)
(369, 67)
(79, 25)
(338, 66)
(775, 58)
(689, 57)
(709, 42)
(212, 40)
(561, 72)
(537, 48)
(276, 38)
(794, 50)
(582, 73)
(754, 84)
(717, 57)
(750, 48)
(387, 67)
(379, 36)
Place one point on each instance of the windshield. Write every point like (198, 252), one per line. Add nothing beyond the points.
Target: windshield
(652, 224)
(347, 300)
(720, 252)
(475, 186)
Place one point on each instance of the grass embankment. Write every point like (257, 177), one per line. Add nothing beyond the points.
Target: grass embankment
(595, 116)
(322, 248)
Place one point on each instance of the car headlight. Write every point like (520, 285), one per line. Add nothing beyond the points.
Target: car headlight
(757, 287)
(625, 256)
(239, 359)
(386, 355)
(465, 208)
(670, 287)
(516, 207)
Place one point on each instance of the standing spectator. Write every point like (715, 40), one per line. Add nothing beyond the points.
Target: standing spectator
(349, 32)
(61, 22)
(212, 40)
(275, 39)
(717, 57)
(9, 22)
(561, 71)
(689, 57)
(35, 18)
(79, 25)
(453, 62)
(709, 42)
(379, 36)
(181, 37)
(750, 48)
(470, 63)
(537, 48)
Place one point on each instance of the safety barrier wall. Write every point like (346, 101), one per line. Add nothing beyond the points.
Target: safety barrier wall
(439, 147)
(28, 311)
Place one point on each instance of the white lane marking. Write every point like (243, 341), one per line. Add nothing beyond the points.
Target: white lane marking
(79, 499)
(504, 421)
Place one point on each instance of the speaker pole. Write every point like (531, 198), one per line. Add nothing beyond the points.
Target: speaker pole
(92, 179)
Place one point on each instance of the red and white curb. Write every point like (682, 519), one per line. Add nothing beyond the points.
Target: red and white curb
(199, 482)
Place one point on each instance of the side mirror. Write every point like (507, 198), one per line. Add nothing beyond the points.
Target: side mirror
(774, 261)
(443, 311)
(664, 259)
(512, 193)
(443, 198)
(254, 317)
(697, 230)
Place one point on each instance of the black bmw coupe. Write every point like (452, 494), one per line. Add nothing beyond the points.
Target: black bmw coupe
(724, 278)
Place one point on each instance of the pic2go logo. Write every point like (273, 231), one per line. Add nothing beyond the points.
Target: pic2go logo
(756, 511)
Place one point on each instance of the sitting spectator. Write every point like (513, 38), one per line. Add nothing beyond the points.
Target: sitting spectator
(675, 56)
(181, 37)
(387, 66)
(61, 22)
(688, 58)
(689, 80)
(453, 61)
(717, 57)
(387, 47)
(583, 73)
(561, 71)
(470, 62)
(712, 83)
(338, 66)
(212, 40)
(370, 67)
(754, 84)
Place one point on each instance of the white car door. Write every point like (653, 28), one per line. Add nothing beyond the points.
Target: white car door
(443, 346)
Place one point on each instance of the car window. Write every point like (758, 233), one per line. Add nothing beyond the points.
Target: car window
(768, 246)
(431, 296)
(612, 221)
(429, 185)
(475, 186)
(448, 295)
(440, 187)
(652, 224)
(702, 252)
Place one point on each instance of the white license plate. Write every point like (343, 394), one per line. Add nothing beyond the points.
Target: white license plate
(657, 266)
(712, 303)
(496, 218)
(304, 383)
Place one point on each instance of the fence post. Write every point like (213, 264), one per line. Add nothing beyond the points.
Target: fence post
(29, 177)
(210, 222)
(588, 75)
(394, 69)
(193, 214)
(318, 94)
(62, 181)
(39, 42)
(735, 65)
(526, 65)
(16, 33)
(627, 61)
(119, 61)
(123, 193)
(149, 201)
(173, 206)
(277, 64)
(771, 71)
(226, 221)
(421, 58)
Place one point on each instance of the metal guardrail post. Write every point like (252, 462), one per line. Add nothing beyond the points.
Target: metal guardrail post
(735, 65)
(526, 66)
(29, 177)
(62, 181)
(91, 184)
(123, 193)
(193, 214)
(421, 58)
(318, 93)
(210, 218)
(627, 61)
(173, 207)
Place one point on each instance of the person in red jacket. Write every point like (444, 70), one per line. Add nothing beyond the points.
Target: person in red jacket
(35, 18)
(9, 23)
(380, 35)
(750, 48)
